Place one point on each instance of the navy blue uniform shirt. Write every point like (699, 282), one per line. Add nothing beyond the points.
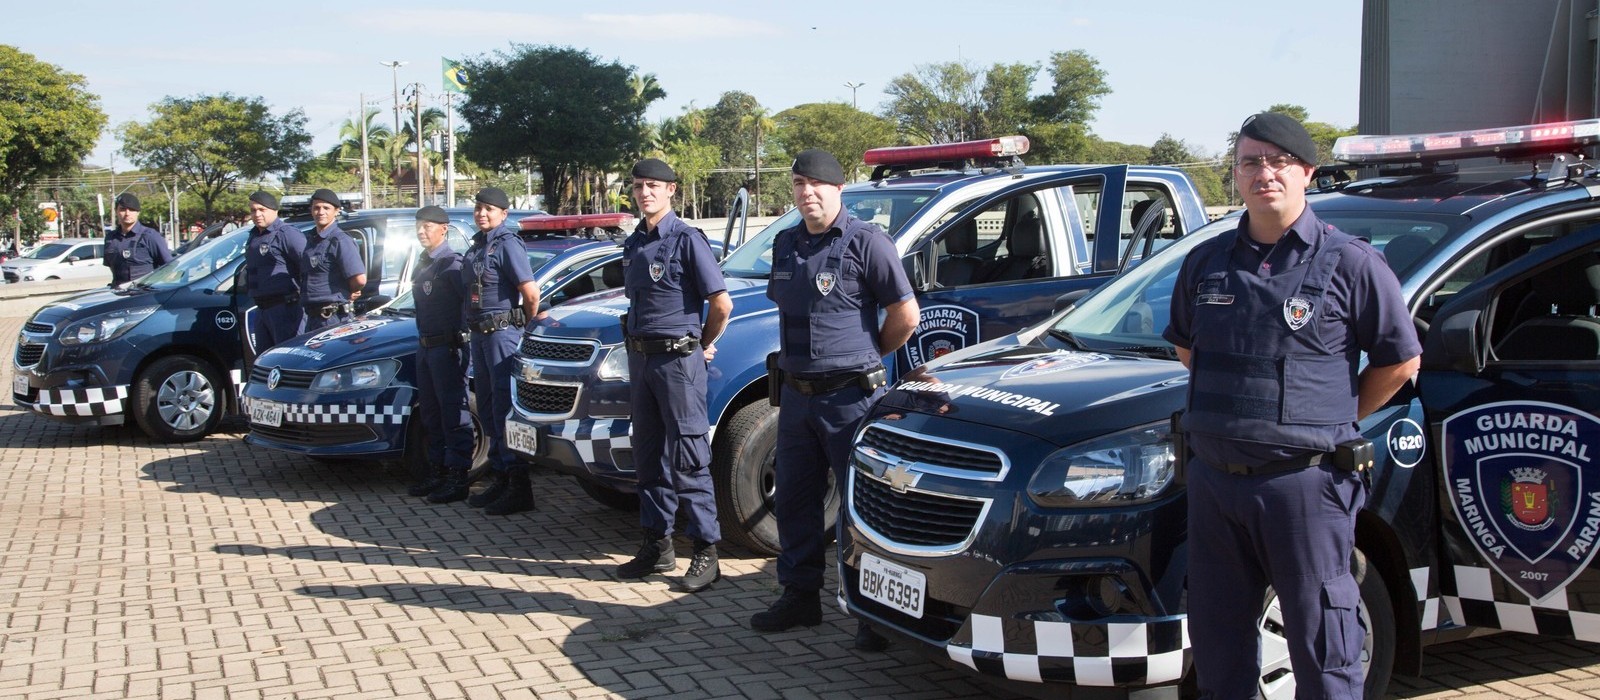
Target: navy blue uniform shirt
(136, 253)
(273, 256)
(669, 272)
(498, 262)
(330, 260)
(439, 292)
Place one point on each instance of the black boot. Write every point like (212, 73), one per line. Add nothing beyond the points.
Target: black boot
(452, 489)
(655, 555)
(436, 477)
(703, 569)
(794, 608)
(497, 488)
(868, 639)
(518, 497)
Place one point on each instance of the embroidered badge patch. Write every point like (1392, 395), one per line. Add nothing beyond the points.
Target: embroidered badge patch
(427, 287)
(656, 270)
(825, 282)
(1296, 312)
(264, 249)
(127, 254)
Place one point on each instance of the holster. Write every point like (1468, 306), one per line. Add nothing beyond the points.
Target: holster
(774, 379)
(1353, 456)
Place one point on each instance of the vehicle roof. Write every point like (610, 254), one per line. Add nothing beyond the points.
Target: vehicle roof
(1448, 193)
(563, 243)
(73, 241)
(953, 179)
(396, 211)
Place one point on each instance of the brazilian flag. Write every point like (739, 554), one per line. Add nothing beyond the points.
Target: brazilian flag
(455, 76)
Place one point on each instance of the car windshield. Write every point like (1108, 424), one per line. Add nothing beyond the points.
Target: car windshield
(889, 210)
(406, 305)
(200, 262)
(1132, 311)
(48, 251)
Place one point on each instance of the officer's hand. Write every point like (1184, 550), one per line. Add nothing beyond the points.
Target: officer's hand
(355, 295)
(710, 351)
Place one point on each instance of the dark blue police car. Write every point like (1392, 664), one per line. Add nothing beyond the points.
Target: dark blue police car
(1016, 509)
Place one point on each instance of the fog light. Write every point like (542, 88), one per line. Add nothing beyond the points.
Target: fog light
(1110, 596)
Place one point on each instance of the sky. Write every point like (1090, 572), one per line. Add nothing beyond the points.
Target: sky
(1191, 69)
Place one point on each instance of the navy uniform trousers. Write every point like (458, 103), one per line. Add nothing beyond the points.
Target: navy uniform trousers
(814, 439)
(671, 449)
(1294, 531)
(446, 420)
(494, 359)
(277, 324)
(315, 321)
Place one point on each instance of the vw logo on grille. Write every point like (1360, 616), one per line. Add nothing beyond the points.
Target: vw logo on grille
(273, 378)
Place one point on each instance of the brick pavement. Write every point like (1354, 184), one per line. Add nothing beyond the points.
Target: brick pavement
(209, 570)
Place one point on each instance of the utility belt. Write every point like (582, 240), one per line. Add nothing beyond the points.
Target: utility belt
(869, 380)
(454, 340)
(276, 301)
(342, 308)
(1353, 456)
(499, 320)
(684, 346)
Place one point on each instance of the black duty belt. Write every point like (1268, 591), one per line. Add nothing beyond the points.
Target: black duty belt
(869, 380)
(1275, 466)
(683, 346)
(328, 310)
(276, 301)
(454, 340)
(497, 321)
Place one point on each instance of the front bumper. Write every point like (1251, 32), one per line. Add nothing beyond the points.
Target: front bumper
(564, 418)
(72, 387)
(357, 423)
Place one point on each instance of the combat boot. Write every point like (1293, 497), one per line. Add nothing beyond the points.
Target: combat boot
(794, 608)
(435, 478)
(703, 569)
(518, 497)
(497, 488)
(655, 556)
(452, 489)
(868, 639)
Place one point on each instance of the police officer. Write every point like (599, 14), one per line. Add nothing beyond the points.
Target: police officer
(831, 274)
(133, 249)
(441, 361)
(501, 296)
(272, 261)
(331, 270)
(669, 271)
(1271, 320)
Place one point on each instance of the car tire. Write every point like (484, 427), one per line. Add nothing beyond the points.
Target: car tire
(179, 399)
(414, 459)
(743, 475)
(610, 497)
(1377, 650)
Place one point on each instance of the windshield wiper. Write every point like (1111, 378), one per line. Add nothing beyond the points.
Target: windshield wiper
(1163, 352)
(1068, 338)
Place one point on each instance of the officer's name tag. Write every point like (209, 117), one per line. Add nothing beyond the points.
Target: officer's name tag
(782, 275)
(1214, 299)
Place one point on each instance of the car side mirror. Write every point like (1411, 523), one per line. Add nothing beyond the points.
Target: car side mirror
(916, 265)
(1069, 300)
(1462, 345)
(72, 258)
(366, 303)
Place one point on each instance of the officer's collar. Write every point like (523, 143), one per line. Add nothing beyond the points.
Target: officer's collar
(1305, 230)
(669, 223)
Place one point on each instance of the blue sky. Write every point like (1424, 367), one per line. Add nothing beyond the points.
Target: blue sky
(1191, 69)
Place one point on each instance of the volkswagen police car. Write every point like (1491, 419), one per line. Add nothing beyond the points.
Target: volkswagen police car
(989, 243)
(350, 391)
(1016, 508)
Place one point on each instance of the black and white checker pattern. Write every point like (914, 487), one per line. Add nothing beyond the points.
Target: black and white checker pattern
(345, 413)
(1428, 605)
(1479, 602)
(1095, 654)
(595, 438)
(93, 401)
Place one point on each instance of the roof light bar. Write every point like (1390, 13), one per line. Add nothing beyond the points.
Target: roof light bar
(1510, 140)
(572, 221)
(1003, 147)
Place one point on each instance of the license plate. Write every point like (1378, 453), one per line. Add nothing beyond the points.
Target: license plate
(522, 438)
(269, 413)
(893, 585)
(19, 385)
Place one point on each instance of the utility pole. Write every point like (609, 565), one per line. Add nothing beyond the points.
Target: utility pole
(416, 135)
(394, 73)
(853, 87)
(366, 159)
(449, 149)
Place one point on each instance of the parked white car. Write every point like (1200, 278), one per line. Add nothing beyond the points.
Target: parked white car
(64, 259)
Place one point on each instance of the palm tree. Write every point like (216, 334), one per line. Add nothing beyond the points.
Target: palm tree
(759, 119)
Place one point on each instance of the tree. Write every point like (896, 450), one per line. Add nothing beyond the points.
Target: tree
(1168, 150)
(835, 127)
(1004, 96)
(1078, 85)
(938, 103)
(211, 143)
(48, 123)
(560, 109)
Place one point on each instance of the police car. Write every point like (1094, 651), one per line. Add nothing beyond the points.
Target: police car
(1015, 508)
(988, 242)
(350, 391)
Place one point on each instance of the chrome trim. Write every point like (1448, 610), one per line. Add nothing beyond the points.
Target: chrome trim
(577, 397)
(886, 460)
(912, 550)
(594, 351)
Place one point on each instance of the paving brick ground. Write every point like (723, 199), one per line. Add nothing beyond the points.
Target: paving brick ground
(210, 570)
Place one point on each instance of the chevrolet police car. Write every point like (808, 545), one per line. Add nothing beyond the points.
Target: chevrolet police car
(988, 243)
(1016, 509)
(350, 391)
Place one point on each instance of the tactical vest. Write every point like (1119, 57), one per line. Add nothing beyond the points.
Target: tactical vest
(437, 297)
(825, 325)
(660, 305)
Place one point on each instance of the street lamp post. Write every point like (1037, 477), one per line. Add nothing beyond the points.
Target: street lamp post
(394, 72)
(853, 87)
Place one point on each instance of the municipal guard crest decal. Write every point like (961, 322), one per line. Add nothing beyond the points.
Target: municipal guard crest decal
(127, 253)
(657, 269)
(1296, 312)
(316, 260)
(943, 329)
(1058, 361)
(825, 282)
(1526, 489)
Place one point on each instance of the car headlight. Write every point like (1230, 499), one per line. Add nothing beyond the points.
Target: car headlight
(615, 367)
(104, 327)
(367, 375)
(1130, 466)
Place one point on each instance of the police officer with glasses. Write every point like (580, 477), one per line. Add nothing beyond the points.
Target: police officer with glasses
(133, 250)
(440, 296)
(332, 272)
(272, 259)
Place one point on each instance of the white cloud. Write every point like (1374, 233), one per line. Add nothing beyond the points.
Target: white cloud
(219, 55)
(529, 27)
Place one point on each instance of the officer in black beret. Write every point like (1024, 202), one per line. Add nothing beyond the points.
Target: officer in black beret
(133, 250)
(502, 296)
(831, 275)
(332, 271)
(272, 260)
(440, 296)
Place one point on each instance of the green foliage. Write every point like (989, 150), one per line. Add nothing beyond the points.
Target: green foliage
(1049, 142)
(835, 127)
(938, 103)
(1078, 83)
(729, 126)
(1102, 151)
(327, 171)
(211, 143)
(1168, 150)
(48, 123)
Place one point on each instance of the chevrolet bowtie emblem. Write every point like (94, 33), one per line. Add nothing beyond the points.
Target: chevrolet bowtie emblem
(900, 476)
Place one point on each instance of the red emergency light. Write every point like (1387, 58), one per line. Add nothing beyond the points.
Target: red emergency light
(1511, 140)
(568, 222)
(1003, 147)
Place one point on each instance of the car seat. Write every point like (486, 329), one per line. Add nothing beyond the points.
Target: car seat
(1025, 253)
(1404, 251)
(1557, 321)
(960, 266)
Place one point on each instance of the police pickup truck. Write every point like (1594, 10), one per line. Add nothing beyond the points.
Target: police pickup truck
(988, 242)
(1016, 509)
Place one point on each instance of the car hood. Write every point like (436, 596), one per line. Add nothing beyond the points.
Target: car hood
(598, 316)
(1062, 396)
(97, 301)
(373, 337)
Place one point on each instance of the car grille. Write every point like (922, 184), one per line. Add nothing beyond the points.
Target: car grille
(38, 328)
(287, 378)
(28, 354)
(556, 351)
(913, 518)
(11, 276)
(316, 434)
(932, 453)
(539, 397)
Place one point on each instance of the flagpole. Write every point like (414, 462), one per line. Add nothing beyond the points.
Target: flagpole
(449, 149)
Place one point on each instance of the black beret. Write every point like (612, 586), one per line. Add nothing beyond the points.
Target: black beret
(494, 197)
(325, 195)
(654, 169)
(818, 164)
(126, 200)
(434, 214)
(1282, 131)
(265, 199)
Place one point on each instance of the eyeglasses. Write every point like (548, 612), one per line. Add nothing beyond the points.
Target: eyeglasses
(1273, 162)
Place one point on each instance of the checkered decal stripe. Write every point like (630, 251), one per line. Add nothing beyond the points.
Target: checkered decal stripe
(594, 436)
(341, 413)
(1427, 604)
(1110, 654)
(1482, 603)
(94, 401)
(239, 383)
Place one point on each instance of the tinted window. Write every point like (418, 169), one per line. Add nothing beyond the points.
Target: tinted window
(889, 210)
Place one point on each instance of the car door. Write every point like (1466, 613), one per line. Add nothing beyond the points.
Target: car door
(1510, 386)
(997, 264)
